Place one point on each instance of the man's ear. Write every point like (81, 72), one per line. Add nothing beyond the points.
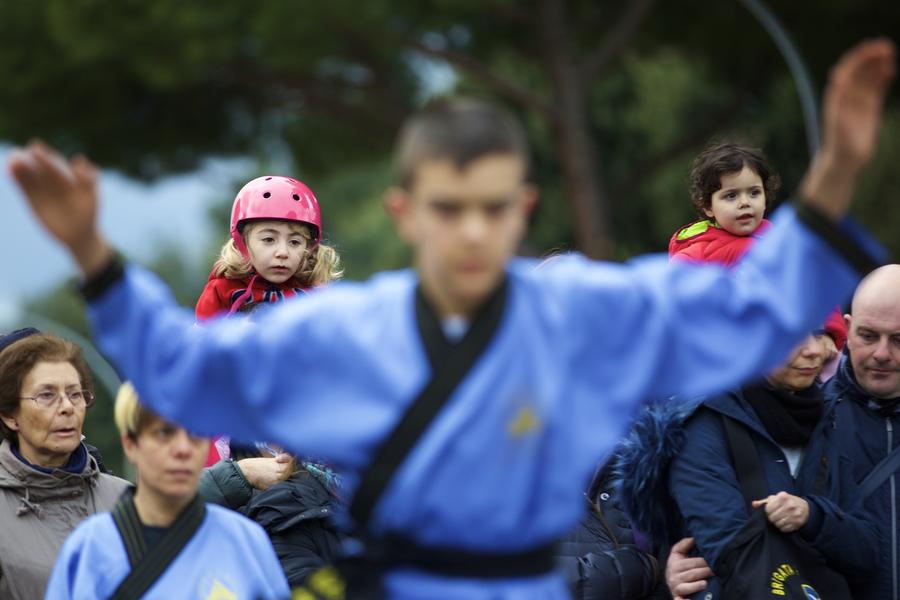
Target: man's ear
(397, 204)
(10, 422)
(847, 319)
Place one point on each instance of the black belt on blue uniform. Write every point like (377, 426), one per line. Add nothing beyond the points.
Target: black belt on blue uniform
(397, 551)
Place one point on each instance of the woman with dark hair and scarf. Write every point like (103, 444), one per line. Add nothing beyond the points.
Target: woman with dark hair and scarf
(808, 484)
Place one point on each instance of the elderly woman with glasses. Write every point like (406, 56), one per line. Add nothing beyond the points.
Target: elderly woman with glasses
(48, 481)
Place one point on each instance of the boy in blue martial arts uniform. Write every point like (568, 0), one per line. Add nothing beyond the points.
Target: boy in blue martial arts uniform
(213, 552)
(498, 475)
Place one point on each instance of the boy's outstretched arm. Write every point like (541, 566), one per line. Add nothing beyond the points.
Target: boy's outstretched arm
(63, 196)
(851, 112)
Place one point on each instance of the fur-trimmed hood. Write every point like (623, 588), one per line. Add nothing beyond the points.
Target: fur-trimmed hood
(642, 464)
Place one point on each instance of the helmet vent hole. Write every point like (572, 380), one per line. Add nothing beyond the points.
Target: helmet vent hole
(267, 194)
(268, 179)
(296, 197)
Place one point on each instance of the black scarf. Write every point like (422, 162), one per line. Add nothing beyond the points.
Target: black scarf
(789, 417)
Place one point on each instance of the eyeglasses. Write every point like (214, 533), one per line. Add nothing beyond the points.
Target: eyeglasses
(49, 399)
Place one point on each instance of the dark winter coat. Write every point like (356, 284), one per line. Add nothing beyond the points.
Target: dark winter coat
(600, 559)
(865, 437)
(708, 504)
(295, 513)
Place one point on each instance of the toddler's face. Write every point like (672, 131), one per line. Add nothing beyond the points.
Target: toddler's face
(738, 207)
(277, 249)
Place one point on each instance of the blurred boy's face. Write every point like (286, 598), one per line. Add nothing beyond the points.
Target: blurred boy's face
(738, 207)
(463, 226)
(168, 459)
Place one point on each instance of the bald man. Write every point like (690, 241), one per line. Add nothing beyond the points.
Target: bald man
(866, 388)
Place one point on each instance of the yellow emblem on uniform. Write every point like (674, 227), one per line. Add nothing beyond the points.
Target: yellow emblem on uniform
(524, 422)
(220, 592)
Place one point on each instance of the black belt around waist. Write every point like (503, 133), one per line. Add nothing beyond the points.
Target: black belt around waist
(454, 562)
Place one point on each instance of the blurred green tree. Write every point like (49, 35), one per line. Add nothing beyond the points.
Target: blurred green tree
(618, 95)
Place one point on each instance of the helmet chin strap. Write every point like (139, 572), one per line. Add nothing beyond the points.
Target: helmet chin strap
(248, 293)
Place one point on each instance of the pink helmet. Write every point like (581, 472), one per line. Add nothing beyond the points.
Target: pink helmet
(275, 197)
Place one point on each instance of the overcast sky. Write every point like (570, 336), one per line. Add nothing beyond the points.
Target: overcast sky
(136, 217)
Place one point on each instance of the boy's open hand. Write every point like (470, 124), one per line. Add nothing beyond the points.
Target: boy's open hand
(852, 108)
(63, 196)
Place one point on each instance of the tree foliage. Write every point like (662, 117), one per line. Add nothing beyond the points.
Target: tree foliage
(617, 98)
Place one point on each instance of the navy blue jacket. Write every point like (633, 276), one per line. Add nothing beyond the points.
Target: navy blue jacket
(706, 490)
(865, 437)
(709, 505)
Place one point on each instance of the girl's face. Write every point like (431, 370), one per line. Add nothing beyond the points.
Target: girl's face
(739, 205)
(277, 249)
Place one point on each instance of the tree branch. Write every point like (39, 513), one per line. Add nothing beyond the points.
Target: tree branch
(620, 34)
(646, 170)
(484, 74)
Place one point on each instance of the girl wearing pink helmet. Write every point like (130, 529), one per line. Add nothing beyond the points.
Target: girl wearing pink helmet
(274, 251)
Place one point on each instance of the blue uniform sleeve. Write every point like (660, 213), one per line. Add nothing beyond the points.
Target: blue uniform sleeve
(278, 378)
(650, 328)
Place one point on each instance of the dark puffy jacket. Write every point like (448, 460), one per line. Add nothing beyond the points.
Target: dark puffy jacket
(711, 508)
(864, 437)
(295, 513)
(600, 559)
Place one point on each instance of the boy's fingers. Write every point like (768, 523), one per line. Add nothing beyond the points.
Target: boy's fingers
(84, 170)
(23, 169)
(52, 164)
(873, 58)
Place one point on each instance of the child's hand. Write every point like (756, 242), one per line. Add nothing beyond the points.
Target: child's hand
(786, 512)
(63, 196)
(852, 109)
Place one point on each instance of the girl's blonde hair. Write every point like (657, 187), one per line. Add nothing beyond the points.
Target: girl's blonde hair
(319, 267)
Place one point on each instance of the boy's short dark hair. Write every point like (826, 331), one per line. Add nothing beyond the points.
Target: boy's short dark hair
(719, 159)
(459, 129)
